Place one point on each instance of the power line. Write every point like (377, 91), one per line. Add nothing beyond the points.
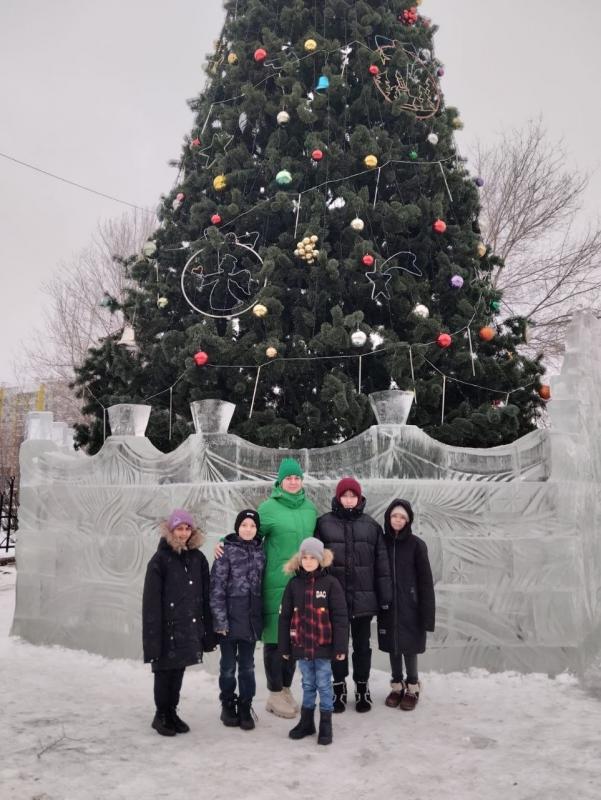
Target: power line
(77, 185)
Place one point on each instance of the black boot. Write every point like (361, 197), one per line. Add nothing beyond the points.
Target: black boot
(178, 725)
(362, 697)
(229, 713)
(339, 697)
(246, 714)
(162, 724)
(306, 726)
(325, 728)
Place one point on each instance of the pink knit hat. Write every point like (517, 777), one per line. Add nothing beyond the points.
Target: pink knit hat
(180, 516)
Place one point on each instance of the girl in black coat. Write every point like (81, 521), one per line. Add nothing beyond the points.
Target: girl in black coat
(361, 565)
(402, 628)
(176, 616)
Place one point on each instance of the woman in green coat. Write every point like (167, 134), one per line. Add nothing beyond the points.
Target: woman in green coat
(287, 517)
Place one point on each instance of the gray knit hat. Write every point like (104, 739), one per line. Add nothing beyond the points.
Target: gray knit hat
(312, 547)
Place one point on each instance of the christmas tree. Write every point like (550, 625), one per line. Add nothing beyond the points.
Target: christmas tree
(321, 243)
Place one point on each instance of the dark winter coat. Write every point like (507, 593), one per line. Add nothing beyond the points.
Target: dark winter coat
(402, 628)
(176, 615)
(313, 596)
(360, 559)
(236, 580)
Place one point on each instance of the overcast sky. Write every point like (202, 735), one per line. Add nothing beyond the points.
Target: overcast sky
(95, 92)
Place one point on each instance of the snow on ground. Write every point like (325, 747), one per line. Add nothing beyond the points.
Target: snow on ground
(76, 726)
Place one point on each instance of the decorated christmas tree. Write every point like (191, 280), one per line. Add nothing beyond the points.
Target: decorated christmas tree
(321, 243)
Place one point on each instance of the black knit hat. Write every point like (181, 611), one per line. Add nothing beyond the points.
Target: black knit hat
(247, 513)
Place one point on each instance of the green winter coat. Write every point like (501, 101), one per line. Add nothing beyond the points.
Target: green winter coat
(286, 519)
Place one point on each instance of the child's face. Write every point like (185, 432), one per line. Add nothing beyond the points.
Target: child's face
(349, 499)
(309, 563)
(182, 533)
(398, 518)
(247, 530)
(292, 484)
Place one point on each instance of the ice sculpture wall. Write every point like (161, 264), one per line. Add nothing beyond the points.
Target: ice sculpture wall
(513, 532)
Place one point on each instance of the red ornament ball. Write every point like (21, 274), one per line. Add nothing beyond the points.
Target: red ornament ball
(317, 154)
(409, 16)
(487, 334)
(544, 391)
(368, 260)
(439, 226)
(260, 55)
(374, 70)
(443, 340)
(216, 219)
(195, 142)
(201, 358)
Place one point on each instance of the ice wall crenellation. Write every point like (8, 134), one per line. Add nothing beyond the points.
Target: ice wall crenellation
(512, 531)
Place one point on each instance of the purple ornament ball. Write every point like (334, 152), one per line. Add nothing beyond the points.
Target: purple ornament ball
(456, 281)
(479, 181)
(440, 72)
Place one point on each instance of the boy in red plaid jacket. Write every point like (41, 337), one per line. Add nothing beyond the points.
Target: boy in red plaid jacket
(313, 628)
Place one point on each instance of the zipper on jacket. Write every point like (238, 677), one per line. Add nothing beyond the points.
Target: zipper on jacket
(394, 596)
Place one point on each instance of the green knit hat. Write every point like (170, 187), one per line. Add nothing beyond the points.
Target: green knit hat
(289, 466)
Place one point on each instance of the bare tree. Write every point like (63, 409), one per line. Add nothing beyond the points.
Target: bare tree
(75, 318)
(530, 217)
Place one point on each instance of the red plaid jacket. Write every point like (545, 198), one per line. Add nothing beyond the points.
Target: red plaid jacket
(313, 617)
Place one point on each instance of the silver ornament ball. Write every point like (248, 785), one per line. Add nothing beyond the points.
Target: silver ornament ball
(358, 338)
(357, 224)
(421, 311)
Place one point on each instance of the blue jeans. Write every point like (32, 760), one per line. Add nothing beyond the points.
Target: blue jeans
(240, 652)
(317, 677)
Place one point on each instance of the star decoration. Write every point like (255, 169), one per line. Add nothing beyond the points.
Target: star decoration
(219, 144)
(381, 278)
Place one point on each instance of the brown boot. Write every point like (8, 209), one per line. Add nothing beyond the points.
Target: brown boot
(411, 697)
(397, 690)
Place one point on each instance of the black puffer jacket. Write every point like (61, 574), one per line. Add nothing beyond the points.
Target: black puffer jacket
(318, 596)
(402, 628)
(360, 558)
(236, 588)
(176, 616)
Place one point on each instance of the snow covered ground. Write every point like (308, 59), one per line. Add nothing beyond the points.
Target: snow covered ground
(77, 726)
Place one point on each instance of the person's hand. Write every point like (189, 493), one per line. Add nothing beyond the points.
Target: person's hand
(384, 608)
(218, 551)
(340, 656)
(221, 633)
(285, 656)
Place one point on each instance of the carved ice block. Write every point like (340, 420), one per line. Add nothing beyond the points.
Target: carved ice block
(391, 406)
(129, 419)
(212, 416)
(39, 425)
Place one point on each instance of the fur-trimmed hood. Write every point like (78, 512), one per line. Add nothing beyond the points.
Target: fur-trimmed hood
(195, 541)
(292, 566)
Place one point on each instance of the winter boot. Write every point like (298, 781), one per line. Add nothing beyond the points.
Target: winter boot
(178, 725)
(339, 697)
(246, 714)
(306, 726)
(229, 713)
(278, 705)
(289, 697)
(411, 696)
(325, 728)
(362, 697)
(397, 690)
(162, 724)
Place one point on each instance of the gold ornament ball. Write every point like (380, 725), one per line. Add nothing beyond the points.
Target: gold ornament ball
(297, 252)
(260, 310)
(162, 302)
(310, 45)
(307, 240)
(357, 224)
(283, 118)
(457, 123)
(370, 161)
(232, 59)
(314, 238)
(271, 352)
(481, 249)
(219, 183)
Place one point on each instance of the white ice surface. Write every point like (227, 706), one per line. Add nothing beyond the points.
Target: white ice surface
(77, 726)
